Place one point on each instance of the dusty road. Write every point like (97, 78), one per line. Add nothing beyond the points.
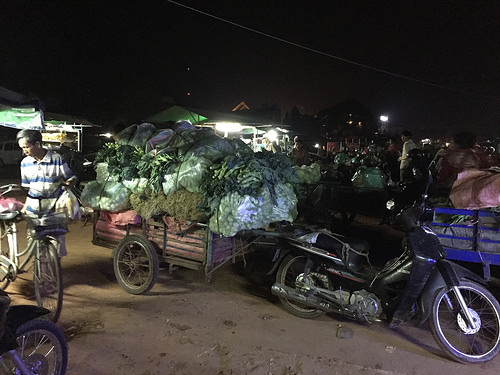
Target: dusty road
(186, 326)
(230, 326)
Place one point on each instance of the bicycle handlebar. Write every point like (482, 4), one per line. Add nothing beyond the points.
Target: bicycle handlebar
(10, 187)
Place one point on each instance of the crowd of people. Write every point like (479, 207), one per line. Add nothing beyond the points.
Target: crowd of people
(401, 160)
(401, 157)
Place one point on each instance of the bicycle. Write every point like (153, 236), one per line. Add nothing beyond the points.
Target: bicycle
(41, 248)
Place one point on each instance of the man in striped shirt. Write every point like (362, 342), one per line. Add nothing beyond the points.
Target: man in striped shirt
(43, 172)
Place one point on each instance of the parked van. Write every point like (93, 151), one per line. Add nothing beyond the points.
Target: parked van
(10, 153)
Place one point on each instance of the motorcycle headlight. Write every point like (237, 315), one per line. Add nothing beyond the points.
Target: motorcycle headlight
(390, 205)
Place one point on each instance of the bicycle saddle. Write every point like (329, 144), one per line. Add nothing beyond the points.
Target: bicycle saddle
(11, 215)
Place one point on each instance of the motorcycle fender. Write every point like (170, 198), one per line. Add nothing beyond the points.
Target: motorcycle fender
(17, 316)
(20, 314)
(446, 275)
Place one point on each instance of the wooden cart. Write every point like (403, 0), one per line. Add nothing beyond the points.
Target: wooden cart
(138, 247)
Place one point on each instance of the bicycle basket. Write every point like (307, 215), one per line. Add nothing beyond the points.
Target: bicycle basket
(50, 223)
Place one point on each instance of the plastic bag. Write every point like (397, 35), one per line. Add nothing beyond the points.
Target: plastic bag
(68, 203)
(475, 189)
(368, 178)
(10, 204)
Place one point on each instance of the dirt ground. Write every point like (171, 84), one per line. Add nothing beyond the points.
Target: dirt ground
(233, 325)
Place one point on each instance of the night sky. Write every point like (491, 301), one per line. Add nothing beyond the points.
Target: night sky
(431, 66)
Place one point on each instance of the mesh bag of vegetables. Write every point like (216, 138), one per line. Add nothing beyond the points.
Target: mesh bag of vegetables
(103, 175)
(285, 207)
(237, 212)
(191, 172)
(308, 174)
(111, 196)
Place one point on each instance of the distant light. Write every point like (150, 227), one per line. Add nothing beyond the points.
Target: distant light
(384, 118)
(272, 135)
(228, 127)
(282, 130)
(188, 94)
(316, 145)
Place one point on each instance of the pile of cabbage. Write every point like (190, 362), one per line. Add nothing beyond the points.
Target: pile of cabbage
(194, 175)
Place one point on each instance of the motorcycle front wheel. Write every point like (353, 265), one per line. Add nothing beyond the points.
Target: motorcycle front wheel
(449, 327)
(42, 347)
(291, 274)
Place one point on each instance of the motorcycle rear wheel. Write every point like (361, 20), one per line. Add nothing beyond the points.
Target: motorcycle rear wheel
(461, 342)
(289, 272)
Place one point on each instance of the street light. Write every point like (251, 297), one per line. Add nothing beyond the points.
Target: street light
(383, 123)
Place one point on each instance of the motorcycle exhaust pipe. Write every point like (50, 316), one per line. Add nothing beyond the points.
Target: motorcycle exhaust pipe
(305, 298)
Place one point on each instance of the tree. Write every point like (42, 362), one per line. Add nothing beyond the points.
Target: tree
(305, 125)
(347, 119)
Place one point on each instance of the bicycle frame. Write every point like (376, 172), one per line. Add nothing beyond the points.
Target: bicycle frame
(12, 262)
(43, 247)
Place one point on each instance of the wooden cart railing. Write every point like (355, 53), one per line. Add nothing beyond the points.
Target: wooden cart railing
(179, 243)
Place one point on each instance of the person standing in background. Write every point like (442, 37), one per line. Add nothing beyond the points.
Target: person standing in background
(300, 153)
(271, 146)
(458, 157)
(404, 160)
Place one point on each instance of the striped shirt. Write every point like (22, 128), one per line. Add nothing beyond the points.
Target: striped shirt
(44, 178)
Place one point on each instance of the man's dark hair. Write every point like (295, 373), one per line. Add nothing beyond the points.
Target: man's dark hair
(32, 136)
(464, 140)
(406, 133)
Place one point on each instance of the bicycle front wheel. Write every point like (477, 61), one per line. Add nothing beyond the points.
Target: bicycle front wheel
(47, 278)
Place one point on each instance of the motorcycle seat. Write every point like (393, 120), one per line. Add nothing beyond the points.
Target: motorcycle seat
(353, 251)
(337, 242)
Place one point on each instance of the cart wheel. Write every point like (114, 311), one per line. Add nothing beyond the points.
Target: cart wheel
(136, 265)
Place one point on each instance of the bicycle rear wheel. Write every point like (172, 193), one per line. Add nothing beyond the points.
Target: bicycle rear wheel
(47, 278)
(4, 276)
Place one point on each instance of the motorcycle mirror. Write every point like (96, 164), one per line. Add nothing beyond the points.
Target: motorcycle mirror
(390, 205)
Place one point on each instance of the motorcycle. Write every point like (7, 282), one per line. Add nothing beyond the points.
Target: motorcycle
(319, 271)
(29, 344)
